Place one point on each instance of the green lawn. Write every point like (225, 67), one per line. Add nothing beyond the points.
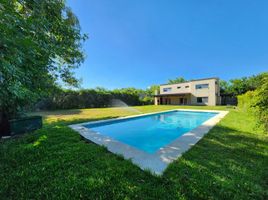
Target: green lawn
(231, 162)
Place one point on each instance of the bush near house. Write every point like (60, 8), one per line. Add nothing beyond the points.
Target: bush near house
(257, 102)
(260, 104)
(245, 100)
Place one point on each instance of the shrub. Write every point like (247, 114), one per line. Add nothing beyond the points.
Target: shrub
(260, 104)
(257, 103)
(245, 100)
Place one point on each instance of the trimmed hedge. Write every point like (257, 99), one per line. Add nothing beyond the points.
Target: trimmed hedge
(245, 100)
(92, 98)
(260, 104)
(257, 103)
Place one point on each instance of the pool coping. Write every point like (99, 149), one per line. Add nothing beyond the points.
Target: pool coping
(158, 161)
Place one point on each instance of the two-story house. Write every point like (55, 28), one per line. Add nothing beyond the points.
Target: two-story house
(195, 92)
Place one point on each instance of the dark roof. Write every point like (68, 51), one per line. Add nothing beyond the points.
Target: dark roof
(175, 94)
(191, 81)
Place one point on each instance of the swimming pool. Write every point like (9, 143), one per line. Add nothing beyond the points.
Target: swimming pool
(154, 140)
(151, 132)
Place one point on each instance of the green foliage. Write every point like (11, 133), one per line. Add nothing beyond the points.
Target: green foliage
(242, 85)
(148, 94)
(93, 98)
(260, 103)
(257, 102)
(176, 80)
(130, 96)
(224, 86)
(230, 162)
(239, 86)
(245, 100)
(152, 90)
(40, 43)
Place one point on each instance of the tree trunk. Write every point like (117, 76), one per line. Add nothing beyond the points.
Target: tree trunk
(4, 125)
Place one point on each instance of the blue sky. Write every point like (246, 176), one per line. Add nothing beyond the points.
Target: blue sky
(137, 43)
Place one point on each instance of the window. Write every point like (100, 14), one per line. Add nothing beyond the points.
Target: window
(201, 86)
(167, 89)
(179, 87)
(199, 99)
(187, 86)
(167, 101)
(202, 100)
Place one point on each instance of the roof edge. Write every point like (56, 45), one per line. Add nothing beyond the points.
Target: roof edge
(191, 81)
(173, 94)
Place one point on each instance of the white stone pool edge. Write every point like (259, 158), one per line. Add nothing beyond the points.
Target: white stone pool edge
(158, 161)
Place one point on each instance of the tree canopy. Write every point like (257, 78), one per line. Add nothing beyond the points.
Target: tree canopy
(40, 44)
(176, 80)
(152, 89)
(242, 85)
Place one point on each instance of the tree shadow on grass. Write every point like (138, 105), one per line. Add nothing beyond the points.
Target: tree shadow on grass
(225, 164)
(66, 165)
(67, 122)
(59, 112)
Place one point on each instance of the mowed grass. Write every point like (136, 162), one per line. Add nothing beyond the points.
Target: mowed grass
(230, 162)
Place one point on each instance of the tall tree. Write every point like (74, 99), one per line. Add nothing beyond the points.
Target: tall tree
(244, 84)
(224, 87)
(40, 44)
(256, 81)
(239, 86)
(176, 80)
(152, 90)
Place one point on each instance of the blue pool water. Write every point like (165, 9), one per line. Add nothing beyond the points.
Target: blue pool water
(150, 133)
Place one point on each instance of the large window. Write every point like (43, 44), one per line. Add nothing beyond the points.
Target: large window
(167, 89)
(201, 86)
(202, 100)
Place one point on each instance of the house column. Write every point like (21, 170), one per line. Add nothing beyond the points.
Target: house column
(156, 101)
